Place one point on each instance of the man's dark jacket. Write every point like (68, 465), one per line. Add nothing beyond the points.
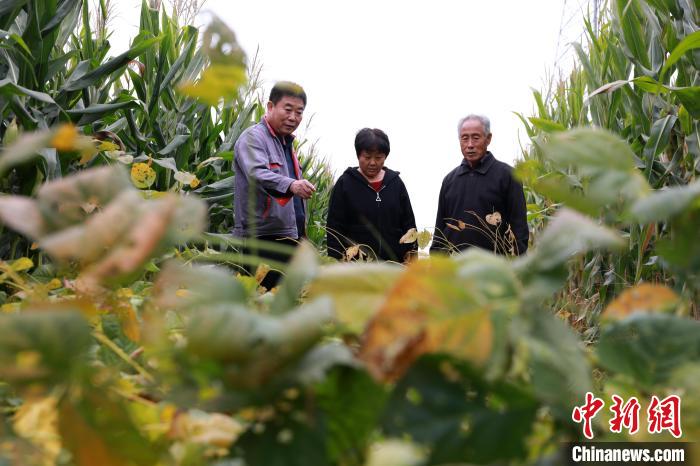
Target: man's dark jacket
(365, 216)
(468, 192)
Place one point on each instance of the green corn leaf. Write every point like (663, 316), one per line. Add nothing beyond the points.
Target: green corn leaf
(8, 88)
(548, 126)
(101, 72)
(64, 9)
(660, 136)
(690, 42)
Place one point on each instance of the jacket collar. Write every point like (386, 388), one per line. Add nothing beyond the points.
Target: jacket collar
(274, 135)
(389, 175)
(482, 167)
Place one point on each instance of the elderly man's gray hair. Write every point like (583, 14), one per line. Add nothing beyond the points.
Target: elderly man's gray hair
(485, 122)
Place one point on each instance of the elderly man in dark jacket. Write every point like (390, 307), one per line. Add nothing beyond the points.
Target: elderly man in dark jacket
(480, 203)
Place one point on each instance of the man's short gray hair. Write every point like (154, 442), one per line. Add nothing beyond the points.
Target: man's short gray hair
(485, 122)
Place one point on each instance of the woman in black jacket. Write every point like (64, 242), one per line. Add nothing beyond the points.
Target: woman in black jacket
(369, 205)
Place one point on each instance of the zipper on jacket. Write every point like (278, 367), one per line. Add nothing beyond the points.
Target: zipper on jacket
(379, 199)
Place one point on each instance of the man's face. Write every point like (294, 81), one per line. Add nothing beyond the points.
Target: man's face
(285, 116)
(473, 141)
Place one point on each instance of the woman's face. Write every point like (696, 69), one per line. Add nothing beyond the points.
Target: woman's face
(371, 163)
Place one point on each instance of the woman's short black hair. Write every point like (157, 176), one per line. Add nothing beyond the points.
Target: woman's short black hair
(372, 140)
(287, 89)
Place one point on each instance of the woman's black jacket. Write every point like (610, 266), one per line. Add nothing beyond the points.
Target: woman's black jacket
(358, 214)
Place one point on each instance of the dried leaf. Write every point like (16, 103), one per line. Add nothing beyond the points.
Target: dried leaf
(351, 252)
(261, 272)
(37, 421)
(494, 219)
(424, 238)
(215, 430)
(409, 237)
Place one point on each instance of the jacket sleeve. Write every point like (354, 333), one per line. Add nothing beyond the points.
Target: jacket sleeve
(439, 243)
(517, 214)
(408, 219)
(336, 221)
(255, 162)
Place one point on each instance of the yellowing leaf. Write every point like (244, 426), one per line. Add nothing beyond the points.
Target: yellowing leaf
(412, 319)
(217, 82)
(107, 146)
(467, 336)
(55, 283)
(65, 138)
(125, 293)
(409, 237)
(142, 175)
(22, 264)
(647, 297)
(28, 359)
(37, 421)
(84, 441)
(10, 307)
(358, 290)
(130, 324)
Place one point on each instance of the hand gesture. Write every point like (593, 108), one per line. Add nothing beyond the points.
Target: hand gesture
(302, 188)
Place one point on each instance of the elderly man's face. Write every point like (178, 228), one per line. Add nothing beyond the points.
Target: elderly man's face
(285, 116)
(473, 141)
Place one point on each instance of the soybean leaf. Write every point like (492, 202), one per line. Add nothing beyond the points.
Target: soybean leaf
(649, 347)
(664, 204)
(440, 396)
(302, 269)
(357, 290)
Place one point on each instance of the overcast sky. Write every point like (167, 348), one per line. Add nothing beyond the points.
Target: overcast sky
(411, 68)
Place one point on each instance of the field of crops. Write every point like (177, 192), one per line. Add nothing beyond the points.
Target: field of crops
(130, 333)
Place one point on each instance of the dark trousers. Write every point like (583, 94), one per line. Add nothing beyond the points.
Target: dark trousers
(273, 276)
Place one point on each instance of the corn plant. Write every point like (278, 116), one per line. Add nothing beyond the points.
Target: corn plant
(636, 76)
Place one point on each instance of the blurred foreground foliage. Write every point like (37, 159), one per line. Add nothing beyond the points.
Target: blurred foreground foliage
(121, 344)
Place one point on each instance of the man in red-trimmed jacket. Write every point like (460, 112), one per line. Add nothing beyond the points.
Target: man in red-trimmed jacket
(269, 191)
